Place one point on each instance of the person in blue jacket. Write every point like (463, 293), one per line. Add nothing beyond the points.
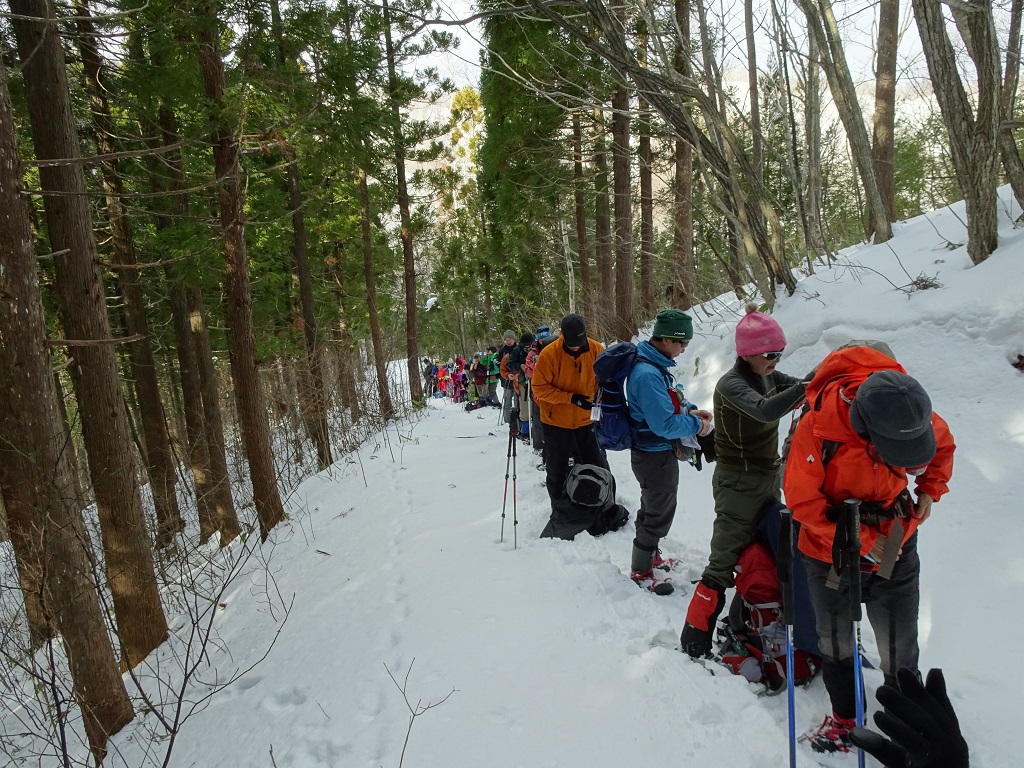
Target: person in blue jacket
(664, 420)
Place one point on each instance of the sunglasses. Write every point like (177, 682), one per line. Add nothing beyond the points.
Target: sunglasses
(773, 355)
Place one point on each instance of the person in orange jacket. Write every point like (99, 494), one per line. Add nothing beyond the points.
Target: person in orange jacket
(563, 386)
(869, 429)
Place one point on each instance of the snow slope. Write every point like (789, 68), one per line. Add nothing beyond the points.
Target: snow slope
(548, 655)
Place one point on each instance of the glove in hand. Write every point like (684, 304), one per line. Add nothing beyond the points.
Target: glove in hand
(581, 401)
(921, 725)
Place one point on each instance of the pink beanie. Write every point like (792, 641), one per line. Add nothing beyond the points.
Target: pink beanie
(757, 333)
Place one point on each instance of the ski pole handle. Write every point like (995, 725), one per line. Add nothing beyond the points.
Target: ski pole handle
(784, 563)
(853, 551)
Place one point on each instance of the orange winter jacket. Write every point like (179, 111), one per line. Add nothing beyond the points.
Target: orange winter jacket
(558, 376)
(854, 471)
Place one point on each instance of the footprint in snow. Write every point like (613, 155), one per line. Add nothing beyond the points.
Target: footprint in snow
(284, 700)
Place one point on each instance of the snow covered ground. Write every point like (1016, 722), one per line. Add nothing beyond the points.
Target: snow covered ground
(544, 653)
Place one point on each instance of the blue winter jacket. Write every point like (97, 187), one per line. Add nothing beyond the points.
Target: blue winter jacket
(651, 405)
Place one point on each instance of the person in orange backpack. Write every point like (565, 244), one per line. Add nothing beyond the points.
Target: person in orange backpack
(868, 431)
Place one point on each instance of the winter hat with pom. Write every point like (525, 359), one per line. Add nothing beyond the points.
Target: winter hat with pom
(757, 333)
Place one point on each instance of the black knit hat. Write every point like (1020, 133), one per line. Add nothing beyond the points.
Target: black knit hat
(895, 413)
(574, 331)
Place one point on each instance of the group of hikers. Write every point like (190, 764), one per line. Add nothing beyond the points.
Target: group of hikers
(863, 466)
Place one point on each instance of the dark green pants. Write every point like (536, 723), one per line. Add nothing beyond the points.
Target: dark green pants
(739, 497)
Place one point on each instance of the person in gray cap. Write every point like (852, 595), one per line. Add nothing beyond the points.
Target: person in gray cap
(869, 430)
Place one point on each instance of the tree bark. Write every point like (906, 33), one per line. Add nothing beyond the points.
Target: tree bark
(35, 477)
(387, 407)
(646, 155)
(1008, 150)
(883, 146)
(159, 457)
(821, 23)
(757, 151)
(602, 231)
(249, 396)
(684, 268)
(812, 151)
(586, 281)
(972, 137)
(625, 322)
(412, 346)
(128, 557)
(314, 399)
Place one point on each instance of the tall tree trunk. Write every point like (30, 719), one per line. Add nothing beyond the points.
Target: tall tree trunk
(192, 401)
(412, 346)
(646, 198)
(249, 399)
(883, 148)
(821, 23)
(602, 231)
(1007, 144)
(788, 108)
(200, 388)
(757, 152)
(160, 459)
(347, 389)
(224, 512)
(586, 281)
(314, 401)
(812, 150)
(35, 477)
(387, 407)
(625, 321)
(129, 560)
(972, 137)
(684, 269)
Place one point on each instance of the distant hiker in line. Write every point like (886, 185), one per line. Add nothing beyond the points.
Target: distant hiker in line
(490, 360)
(511, 370)
(663, 417)
(885, 432)
(563, 385)
(508, 393)
(749, 402)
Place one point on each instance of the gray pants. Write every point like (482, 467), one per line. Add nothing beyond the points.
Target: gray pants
(891, 606)
(739, 498)
(658, 475)
(492, 392)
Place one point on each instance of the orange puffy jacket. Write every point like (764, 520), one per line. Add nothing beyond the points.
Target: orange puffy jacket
(557, 377)
(852, 472)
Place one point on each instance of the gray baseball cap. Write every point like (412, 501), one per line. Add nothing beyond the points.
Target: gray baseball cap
(895, 413)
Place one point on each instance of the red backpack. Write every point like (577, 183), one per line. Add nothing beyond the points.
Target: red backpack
(752, 639)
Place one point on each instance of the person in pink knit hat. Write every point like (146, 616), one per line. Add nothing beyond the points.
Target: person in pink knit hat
(749, 402)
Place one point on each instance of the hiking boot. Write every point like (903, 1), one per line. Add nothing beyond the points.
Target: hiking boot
(663, 563)
(833, 735)
(647, 580)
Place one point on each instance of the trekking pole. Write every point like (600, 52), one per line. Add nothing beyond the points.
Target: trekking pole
(504, 497)
(513, 434)
(853, 562)
(784, 565)
(510, 461)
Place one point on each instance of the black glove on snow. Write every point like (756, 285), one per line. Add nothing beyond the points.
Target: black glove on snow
(581, 401)
(920, 722)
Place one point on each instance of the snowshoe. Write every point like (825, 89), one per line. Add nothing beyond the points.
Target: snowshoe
(833, 735)
(652, 583)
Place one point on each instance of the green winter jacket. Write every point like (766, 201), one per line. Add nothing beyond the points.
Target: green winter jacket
(747, 412)
(490, 361)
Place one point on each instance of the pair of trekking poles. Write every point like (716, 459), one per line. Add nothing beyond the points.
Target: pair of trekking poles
(851, 521)
(513, 435)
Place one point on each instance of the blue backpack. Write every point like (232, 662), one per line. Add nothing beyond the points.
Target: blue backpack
(614, 431)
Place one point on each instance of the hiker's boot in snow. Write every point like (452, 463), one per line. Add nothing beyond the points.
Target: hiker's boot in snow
(642, 572)
(833, 735)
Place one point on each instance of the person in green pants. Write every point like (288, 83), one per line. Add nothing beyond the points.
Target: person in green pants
(749, 402)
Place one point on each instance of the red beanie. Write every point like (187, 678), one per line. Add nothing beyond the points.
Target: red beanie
(757, 333)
